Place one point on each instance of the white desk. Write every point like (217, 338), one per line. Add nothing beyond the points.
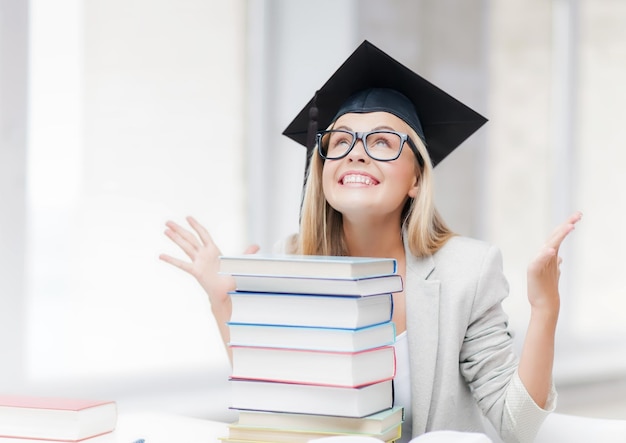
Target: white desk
(157, 427)
(168, 428)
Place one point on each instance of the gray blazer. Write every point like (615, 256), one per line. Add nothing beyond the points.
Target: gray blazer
(460, 347)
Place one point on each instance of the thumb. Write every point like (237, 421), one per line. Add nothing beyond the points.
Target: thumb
(252, 249)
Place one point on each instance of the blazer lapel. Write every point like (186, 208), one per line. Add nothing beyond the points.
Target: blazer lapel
(422, 317)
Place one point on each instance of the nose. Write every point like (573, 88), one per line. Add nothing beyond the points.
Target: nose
(358, 153)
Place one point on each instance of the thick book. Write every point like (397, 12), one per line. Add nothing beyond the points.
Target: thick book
(310, 310)
(347, 369)
(384, 284)
(313, 338)
(249, 434)
(311, 399)
(428, 437)
(377, 423)
(307, 265)
(55, 419)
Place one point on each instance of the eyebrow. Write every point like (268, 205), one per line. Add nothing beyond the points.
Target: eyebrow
(377, 128)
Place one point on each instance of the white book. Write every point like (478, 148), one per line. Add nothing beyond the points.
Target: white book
(429, 437)
(311, 399)
(307, 265)
(313, 338)
(310, 310)
(383, 284)
(348, 369)
(372, 424)
(238, 433)
(49, 418)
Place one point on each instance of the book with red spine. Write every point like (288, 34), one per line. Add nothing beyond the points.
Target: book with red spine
(346, 369)
(55, 419)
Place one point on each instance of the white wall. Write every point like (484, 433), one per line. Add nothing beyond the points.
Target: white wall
(555, 146)
(601, 160)
(13, 134)
(294, 47)
(136, 112)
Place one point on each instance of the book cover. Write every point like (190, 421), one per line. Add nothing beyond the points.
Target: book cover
(306, 265)
(377, 423)
(244, 433)
(311, 337)
(347, 369)
(57, 419)
(441, 436)
(311, 399)
(310, 310)
(384, 284)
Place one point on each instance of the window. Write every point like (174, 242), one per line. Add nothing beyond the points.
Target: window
(126, 130)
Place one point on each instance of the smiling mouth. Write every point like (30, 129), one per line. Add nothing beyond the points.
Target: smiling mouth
(358, 179)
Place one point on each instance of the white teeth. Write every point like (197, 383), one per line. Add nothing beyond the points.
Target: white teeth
(358, 179)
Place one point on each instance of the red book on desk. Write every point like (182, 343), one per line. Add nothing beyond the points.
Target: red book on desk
(55, 419)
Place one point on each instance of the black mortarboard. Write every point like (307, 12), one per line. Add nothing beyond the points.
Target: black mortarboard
(363, 83)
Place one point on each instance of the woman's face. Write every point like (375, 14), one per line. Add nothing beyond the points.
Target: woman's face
(358, 186)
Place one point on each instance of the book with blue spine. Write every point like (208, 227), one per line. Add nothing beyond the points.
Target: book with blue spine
(310, 309)
(312, 337)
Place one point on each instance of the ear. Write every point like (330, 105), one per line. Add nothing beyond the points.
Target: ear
(413, 190)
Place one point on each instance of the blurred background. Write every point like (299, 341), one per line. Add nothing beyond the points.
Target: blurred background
(118, 115)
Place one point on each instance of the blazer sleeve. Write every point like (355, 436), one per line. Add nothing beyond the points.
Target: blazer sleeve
(488, 362)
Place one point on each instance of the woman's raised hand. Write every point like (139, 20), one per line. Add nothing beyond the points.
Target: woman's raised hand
(544, 271)
(537, 358)
(204, 255)
(205, 267)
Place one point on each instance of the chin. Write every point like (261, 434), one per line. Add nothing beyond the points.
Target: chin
(357, 209)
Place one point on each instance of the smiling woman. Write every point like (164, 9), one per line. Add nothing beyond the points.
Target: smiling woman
(383, 178)
(448, 313)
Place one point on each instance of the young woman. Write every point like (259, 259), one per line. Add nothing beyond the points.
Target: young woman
(369, 193)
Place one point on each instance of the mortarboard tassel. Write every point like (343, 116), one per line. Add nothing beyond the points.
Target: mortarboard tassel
(310, 141)
(312, 130)
(311, 133)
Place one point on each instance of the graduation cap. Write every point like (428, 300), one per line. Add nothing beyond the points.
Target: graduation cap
(369, 81)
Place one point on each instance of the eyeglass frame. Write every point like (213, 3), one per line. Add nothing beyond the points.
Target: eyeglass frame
(362, 135)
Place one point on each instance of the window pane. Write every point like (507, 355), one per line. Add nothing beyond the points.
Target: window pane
(122, 138)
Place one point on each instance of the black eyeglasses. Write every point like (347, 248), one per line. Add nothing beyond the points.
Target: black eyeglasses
(381, 145)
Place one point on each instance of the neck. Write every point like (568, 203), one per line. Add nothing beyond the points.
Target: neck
(374, 239)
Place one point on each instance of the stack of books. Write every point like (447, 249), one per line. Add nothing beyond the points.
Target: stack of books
(312, 347)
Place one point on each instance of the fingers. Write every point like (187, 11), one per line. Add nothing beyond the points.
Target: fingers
(180, 264)
(196, 247)
(204, 235)
(548, 256)
(563, 230)
(575, 217)
(252, 249)
(183, 238)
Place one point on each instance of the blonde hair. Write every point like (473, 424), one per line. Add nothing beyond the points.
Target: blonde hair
(321, 226)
